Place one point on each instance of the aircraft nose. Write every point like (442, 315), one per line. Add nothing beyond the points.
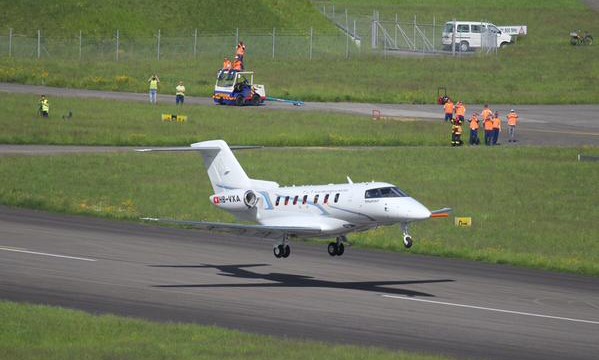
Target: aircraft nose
(418, 211)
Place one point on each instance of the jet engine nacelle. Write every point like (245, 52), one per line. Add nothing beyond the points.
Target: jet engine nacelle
(235, 200)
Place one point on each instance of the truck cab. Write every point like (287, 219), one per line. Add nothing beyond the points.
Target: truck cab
(473, 34)
(237, 88)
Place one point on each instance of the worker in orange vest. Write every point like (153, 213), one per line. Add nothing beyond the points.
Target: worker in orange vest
(240, 51)
(512, 121)
(460, 111)
(449, 108)
(237, 64)
(486, 113)
(488, 126)
(227, 64)
(496, 127)
(474, 126)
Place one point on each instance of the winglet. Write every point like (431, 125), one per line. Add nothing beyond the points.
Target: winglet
(349, 180)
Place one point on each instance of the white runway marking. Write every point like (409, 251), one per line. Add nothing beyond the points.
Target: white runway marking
(45, 254)
(493, 309)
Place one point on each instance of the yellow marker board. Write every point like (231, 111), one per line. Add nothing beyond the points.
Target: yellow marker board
(463, 221)
(174, 117)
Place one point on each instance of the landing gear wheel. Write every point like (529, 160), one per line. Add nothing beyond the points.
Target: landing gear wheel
(286, 251)
(239, 100)
(407, 241)
(278, 251)
(340, 249)
(332, 249)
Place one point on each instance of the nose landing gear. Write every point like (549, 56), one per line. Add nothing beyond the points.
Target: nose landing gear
(407, 239)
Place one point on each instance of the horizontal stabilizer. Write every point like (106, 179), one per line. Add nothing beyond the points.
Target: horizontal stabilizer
(272, 232)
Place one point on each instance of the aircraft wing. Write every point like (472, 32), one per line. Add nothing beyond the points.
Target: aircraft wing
(263, 231)
(441, 213)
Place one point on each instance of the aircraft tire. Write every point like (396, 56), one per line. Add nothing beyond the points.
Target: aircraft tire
(332, 249)
(278, 251)
(407, 241)
(286, 251)
(340, 249)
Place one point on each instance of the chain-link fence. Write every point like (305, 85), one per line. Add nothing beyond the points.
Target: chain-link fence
(354, 36)
(266, 43)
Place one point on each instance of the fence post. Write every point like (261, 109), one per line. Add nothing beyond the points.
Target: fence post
(236, 36)
(396, 21)
(273, 42)
(195, 43)
(311, 38)
(10, 42)
(434, 29)
(118, 37)
(347, 35)
(414, 27)
(39, 44)
(80, 44)
(158, 50)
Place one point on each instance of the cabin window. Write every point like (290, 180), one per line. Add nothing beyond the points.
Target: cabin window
(463, 28)
(326, 198)
(336, 197)
(286, 200)
(305, 200)
(316, 199)
(295, 200)
(278, 200)
(385, 192)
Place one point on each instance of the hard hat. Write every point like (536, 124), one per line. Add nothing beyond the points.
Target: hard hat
(512, 110)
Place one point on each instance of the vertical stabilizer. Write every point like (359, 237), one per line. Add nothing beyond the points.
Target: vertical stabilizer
(223, 169)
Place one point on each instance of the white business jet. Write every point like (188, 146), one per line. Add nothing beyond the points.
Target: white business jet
(320, 211)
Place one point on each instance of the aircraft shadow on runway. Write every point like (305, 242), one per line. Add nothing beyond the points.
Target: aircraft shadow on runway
(296, 281)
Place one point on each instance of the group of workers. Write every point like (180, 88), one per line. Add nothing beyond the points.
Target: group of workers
(455, 114)
(237, 64)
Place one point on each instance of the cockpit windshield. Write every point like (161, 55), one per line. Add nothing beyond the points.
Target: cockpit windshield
(385, 192)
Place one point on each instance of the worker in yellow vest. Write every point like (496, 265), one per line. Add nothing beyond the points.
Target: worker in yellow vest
(456, 133)
(512, 121)
(154, 81)
(44, 108)
(180, 93)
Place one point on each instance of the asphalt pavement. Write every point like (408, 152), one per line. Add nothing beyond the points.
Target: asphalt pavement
(398, 301)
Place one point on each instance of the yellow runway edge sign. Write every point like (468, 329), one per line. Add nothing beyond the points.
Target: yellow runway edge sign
(463, 221)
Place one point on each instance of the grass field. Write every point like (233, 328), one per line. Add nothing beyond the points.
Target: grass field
(102, 122)
(541, 68)
(41, 332)
(530, 206)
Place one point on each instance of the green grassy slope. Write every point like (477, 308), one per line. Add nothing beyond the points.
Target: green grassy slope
(145, 17)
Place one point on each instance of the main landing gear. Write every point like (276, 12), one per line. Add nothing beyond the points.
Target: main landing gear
(337, 248)
(282, 250)
(407, 239)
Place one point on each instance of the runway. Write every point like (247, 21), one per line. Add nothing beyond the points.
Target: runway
(398, 301)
